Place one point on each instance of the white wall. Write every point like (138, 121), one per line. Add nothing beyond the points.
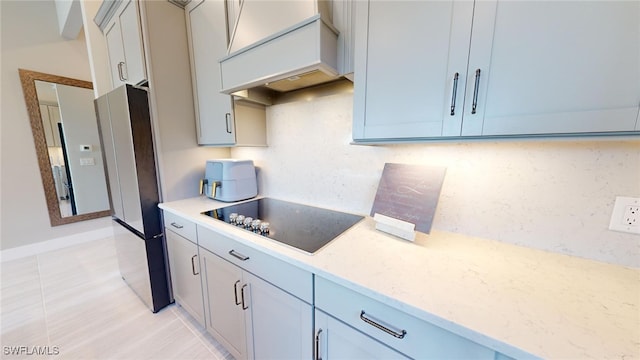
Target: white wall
(97, 47)
(31, 40)
(554, 195)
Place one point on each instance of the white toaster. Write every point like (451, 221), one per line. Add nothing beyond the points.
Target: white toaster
(229, 180)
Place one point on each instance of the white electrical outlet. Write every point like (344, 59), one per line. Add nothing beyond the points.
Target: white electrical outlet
(626, 215)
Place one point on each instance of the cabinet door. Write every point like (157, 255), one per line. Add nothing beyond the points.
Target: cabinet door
(135, 68)
(554, 67)
(113, 36)
(407, 55)
(225, 311)
(208, 43)
(335, 340)
(185, 274)
(281, 323)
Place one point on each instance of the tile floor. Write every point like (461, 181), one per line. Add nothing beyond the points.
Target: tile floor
(72, 304)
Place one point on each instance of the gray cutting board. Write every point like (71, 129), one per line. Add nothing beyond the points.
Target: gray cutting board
(409, 193)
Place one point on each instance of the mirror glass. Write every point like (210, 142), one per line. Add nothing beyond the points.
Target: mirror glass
(65, 132)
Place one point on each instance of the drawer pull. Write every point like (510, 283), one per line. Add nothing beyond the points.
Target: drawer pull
(474, 104)
(227, 118)
(454, 92)
(242, 295)
(317, 345)
(237, 255)
(176, 225)
(371, 322)
(120, 72)
(193, 266)
(235, 292)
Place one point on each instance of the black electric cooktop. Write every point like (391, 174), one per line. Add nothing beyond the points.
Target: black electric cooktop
(304, 227)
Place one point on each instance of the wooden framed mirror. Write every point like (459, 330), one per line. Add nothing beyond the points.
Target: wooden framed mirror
(65, 133)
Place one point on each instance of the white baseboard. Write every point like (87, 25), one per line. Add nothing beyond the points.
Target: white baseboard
(54, 244)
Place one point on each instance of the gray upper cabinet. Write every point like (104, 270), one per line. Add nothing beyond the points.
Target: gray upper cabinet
(494, 68)
(208, 43)
(219, 121)
(555, 67)
(405, 65)
(124, 45)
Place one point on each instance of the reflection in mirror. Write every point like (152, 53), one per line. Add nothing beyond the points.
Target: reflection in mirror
(65, 133)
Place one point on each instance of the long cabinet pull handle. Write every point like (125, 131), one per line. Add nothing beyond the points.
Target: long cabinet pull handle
(237, 255)
(474, 105)
(235, 291)
(316, 355)
(242, 295)
(120, 72)
(375, 324)
(193, 266)
(227, 118)
(176, 225)
(454, 93)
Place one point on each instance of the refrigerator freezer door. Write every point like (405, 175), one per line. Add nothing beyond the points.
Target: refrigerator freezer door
(132, 261)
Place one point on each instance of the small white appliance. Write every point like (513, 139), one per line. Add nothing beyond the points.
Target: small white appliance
(229, 180)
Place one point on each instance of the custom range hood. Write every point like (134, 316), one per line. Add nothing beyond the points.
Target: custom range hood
(278, 46)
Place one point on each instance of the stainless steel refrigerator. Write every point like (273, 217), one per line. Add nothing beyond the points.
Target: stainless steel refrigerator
(127, 142)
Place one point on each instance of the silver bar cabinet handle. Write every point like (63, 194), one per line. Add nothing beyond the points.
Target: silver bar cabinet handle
(316, 355)
(227, 118)
(453, 95)
(120, 72)
(235, 291)
(193, 266)
(376, 325)
(176, 225)
(474, 105)
(237, 255)
(242, 295)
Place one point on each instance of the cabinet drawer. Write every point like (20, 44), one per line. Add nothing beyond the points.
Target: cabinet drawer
(180, 226)
(287, 277)
(413, 337)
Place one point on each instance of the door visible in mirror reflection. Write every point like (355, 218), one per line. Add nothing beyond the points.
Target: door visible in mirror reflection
(71, 133)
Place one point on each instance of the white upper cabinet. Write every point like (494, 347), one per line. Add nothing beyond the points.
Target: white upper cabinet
(490, 68)
(405, 67)
(208, 43)
(219, 121)
(554, 67)
(124, 45)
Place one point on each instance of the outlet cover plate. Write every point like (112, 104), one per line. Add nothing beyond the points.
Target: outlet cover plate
(623, 217)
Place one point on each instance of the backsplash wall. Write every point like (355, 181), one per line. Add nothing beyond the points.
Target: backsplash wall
(554, 194)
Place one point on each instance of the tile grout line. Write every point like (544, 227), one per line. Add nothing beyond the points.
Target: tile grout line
(44, 306)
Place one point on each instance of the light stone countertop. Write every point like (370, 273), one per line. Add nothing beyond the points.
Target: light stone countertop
(515, 300)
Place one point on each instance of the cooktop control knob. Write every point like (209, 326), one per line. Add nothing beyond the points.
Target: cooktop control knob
(247, 222)
(240, 220)
(255, 225)
(264, 228)
(232, 218)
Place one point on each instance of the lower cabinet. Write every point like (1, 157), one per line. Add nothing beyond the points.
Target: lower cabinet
(185, 274)
(259, 307)
(227, 319)
(252, 318)
(336, 340)
(376, 323)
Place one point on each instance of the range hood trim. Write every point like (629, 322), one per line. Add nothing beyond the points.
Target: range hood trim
(280, 33)
(319, 62)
